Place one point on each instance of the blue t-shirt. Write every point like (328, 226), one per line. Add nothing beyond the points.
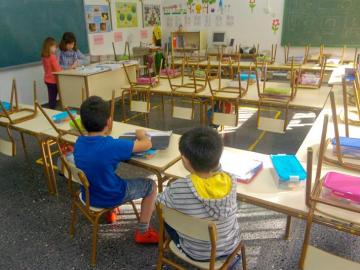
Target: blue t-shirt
(98, 157)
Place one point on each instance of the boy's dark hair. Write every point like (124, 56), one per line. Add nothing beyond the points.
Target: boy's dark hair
(67, 38)
(94, 113)
(203, 147)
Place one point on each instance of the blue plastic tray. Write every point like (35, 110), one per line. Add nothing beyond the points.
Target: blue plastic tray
(288, 168)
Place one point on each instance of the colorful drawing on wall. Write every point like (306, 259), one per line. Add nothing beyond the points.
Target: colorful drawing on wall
(252, 4)
(198, 8)
(118, 36)
(221, 6)
(126, 14)
(190, 4)
(98, 18)
(207, 4)
(151, 15)
(176, 9)
(98, 39)
(275, 25)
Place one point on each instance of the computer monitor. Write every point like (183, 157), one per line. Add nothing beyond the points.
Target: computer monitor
(219, 38)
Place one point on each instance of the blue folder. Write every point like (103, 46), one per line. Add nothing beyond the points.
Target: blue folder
(288, 168)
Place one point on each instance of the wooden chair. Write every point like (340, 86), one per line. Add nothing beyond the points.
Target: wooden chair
(267, 56)
(299, 60)
(139, 95)
(16, 114)
(312, 80)
(335, 60)
(195, 228)
(93, 214)
(351, 115)
(232, 93)
(186, 90)
(317, 57)
(275, 95)
(313, 257)
(125, 56)
(338, 158)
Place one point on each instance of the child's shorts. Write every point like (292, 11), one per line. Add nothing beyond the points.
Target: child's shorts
(137, 189)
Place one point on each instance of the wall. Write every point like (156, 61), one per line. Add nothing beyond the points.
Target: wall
(27, 74)
(249, 27)
(128, 34)
(24, 78)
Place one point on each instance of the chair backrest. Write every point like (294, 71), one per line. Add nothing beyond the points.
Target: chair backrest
(192, 227)
(293, 78)
(8, 114)
(316, 258)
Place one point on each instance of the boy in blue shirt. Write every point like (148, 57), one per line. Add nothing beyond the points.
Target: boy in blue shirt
(99, 155)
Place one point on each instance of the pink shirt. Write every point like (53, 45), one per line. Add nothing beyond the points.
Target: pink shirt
(51, 65)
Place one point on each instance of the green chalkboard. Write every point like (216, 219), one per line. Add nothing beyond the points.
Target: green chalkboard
(24, 24)
(334, 23)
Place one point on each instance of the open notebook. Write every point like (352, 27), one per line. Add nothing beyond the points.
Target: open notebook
(160, 139)
(243, 170)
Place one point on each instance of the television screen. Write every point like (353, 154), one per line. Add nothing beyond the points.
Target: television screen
(219, 37)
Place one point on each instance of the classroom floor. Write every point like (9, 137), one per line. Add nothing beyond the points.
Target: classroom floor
(34, 226)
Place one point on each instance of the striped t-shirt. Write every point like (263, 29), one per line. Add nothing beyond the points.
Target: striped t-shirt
(182, 196)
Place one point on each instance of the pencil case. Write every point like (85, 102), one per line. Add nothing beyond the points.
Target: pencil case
(6, 105)
(288, 171)
(349, 146)
(63, 116)
(245, 76)
(342, 187)
(309, 79)
(170, 71)
(146, 80)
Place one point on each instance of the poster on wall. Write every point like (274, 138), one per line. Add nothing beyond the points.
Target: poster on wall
(126, 14)
(98, 18)
(152, 15)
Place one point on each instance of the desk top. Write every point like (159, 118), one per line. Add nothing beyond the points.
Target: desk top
(96, 68)
(160, 161)
(264, 191)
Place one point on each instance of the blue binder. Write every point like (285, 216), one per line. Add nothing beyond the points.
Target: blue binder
(63, 116)
(288, 168)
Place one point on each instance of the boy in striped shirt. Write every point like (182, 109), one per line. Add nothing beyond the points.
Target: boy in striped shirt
(207, 193)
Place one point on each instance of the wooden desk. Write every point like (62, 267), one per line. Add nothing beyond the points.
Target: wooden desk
(264, 192)
(94, 81)
(158, 164)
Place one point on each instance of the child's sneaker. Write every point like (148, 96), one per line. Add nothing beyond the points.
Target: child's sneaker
(149, 237)
(111, 217)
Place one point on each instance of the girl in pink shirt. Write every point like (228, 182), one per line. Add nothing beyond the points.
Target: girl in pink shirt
(51, 64)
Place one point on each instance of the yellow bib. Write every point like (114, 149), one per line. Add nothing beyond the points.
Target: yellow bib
(216, 187)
